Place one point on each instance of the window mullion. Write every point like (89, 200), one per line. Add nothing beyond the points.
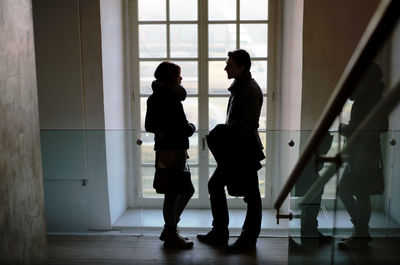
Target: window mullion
(136, 199)
(203, 98)
(168, 25)
(237, 24)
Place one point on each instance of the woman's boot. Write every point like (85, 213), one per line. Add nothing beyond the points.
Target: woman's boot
(162, 236)
(174, 240)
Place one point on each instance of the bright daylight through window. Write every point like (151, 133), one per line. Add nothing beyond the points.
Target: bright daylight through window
(197, 34)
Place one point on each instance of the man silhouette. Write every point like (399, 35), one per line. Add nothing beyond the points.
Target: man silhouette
(363, 174)
(240, 160)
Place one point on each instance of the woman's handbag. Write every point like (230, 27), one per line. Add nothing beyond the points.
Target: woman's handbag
(172, 181)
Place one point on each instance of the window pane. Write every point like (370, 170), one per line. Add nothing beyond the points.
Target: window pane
(254, 39)
(189, 73)
(263, 137)
(261, 181)
(222, 9)
(211, 168)
(218, 81)
(183, 9)
(195, 180)
(217, 111)
(147, 70)
(184, 41)
(193, 151)
(263, 115)
(190, 105)
(143, 106)
(253, 9)
(211, 161)
(259, 73)
(147, 183)
(151, 10)
(222, 38)
(152, 41)
(148, 155)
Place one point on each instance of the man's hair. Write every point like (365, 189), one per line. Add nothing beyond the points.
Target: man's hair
(167, 72)
(241, 57)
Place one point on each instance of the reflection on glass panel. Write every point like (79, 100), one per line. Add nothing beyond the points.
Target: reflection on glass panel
(221, 9)
(151, 10)
(217, 111)
(152, 41)
(254, 39)
(189, 73)
(190, 106)
(184, 41)
(218, 81)
(183, 9)
(221, 39)
(254, 10)
(147, 183)
(147, 70)
(259, 73)
(148, 155)
(143, 108)
(193, 151)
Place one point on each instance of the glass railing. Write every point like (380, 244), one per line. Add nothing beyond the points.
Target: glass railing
(91, 177)
(343, 202)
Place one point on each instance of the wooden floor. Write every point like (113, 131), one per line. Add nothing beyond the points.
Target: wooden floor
(138, 250)
(124, 249)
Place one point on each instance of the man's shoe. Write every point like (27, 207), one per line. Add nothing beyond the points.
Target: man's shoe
(242, 244)
(214, 237)
(353, 243)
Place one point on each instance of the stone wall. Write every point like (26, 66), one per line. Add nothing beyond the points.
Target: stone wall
(22, 223)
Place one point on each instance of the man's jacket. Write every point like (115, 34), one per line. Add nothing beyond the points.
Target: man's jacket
(236, 145)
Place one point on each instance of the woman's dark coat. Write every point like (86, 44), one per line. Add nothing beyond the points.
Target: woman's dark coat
(166, 118)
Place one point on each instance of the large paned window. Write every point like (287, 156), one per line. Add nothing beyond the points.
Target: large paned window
(197, 35)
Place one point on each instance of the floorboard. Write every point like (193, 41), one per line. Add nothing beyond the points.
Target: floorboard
(138, 250)
(141, 250)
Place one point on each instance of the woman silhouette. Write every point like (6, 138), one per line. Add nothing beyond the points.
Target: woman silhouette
(166, 118)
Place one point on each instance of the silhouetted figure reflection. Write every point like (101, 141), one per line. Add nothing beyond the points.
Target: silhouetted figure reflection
(310, 235)
(166, 118)
(237, 149)
(363, 174)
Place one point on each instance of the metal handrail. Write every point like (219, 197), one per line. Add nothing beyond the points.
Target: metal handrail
(379, 28)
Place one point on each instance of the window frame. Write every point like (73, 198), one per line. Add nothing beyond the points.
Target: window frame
(136, 199)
